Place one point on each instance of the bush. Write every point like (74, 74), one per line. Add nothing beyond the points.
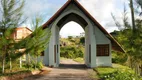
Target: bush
(118, 57)
(70, 37)
(119, 75)
(39, 65)
(71, 52)
(82, 40)
(117, 72)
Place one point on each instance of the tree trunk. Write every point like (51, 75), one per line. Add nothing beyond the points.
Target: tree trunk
(140, 70)
(3, 65)
(20, 62)
(10, 65)
(3, 59)
(132, 15)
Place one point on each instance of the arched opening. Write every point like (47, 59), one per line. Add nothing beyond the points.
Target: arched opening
(70, 47)
(72, 44)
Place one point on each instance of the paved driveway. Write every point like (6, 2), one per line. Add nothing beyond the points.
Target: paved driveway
(65, 72)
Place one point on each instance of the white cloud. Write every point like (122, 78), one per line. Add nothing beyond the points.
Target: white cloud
(101, 10)
(71, 29)
(38, 7)
(34, 7)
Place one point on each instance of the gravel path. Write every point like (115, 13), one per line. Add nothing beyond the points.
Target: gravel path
(68, 70)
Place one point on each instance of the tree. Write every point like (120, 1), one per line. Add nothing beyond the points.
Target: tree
(70, 37)
(34, 44)
(11, 11)
(131, 40)
(82, 40)
(132, 15)
(40, 39)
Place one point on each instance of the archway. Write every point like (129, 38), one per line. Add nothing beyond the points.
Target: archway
(98, 42)
(72, 45)
(64, 20)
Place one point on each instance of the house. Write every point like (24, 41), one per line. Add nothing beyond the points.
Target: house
(98, 42)
(21, 32)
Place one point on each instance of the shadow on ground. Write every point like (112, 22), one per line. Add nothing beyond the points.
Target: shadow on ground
(73, 66)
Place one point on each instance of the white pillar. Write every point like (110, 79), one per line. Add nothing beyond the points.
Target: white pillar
(92, 45)
(86, 55)
(58, 46)
(51, 47)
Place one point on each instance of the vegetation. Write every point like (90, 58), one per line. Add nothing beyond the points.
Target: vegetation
(71, 48)
(117, 72)
(32, 45)
(37, 42)
(79, 60)
(131, 38)
(119, 58)
(11, 18)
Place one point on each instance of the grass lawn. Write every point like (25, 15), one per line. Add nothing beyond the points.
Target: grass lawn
(80, 60)
(16, 71)
(116, 72)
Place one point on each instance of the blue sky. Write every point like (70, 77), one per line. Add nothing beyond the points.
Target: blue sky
(100, 9)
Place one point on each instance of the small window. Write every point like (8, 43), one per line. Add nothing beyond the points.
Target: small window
(103, 50)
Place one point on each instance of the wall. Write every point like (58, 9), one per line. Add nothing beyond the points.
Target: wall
(102, 39)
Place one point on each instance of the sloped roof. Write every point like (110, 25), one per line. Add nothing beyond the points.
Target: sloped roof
(24, 27)
(115, 45)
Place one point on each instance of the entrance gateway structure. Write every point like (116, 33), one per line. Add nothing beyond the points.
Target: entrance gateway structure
(98, 42)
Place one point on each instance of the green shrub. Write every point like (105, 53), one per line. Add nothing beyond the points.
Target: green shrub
(70, 37)
(122, 75)
(39, 65)
(117, 72)
(71, 52)
(118, 58)
(82, 40)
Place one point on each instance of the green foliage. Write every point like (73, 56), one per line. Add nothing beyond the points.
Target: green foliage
(32, 65)
(82, 40)
(120, 58)
(117, 72)
(39, 65)
(119, 75)
(70, 37)
(72, 49)
(71, 52)
(131, 39)
(11, 11)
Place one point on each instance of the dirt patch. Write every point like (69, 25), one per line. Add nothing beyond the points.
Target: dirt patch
(22, 75)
